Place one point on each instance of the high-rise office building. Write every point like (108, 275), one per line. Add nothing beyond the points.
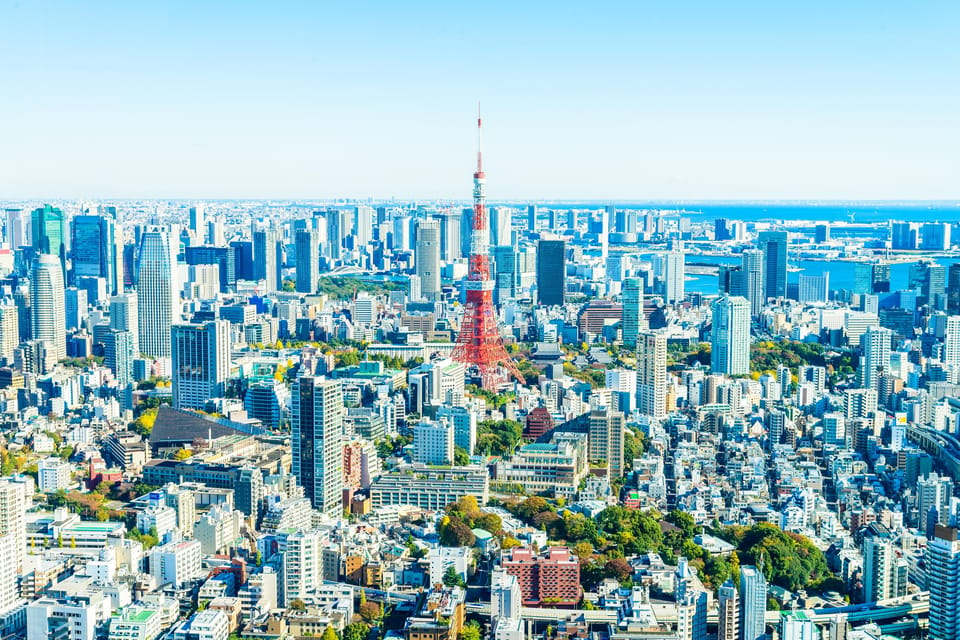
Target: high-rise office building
(13, 540)
(362, 226)
(75, 307)
(774, 247)
(124, 317)
(728, 622)
(753, 269)
(953, 289)
(501, 227)
(532, 214)
(753, 603)
(402, 237)
(224, 258)
(47, 304)
(450, 228)
(951, 341)
(158, 299)
(876, 342)
(17, 229)
(428, 257)
(307, 247)
(674, 274)
(118, 354)
(884, 567)
(434, 442)
(96, 249)
(201, 362)
(730, 352)
(9, 329)
(506, 276)
(943, 582)
(935, 236)
(652, 374)
(551, 271)
(337, 228)
(198, 224)
(821, 233)
(268, 259)
(633, 319)
(49, 233)
(903, 236)
(317, 438)
(814, 289)
(606, 432)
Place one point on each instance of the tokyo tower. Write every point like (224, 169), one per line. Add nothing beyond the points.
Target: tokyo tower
(479, 345)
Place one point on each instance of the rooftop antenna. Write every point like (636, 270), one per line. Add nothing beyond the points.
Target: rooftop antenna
(479, 140)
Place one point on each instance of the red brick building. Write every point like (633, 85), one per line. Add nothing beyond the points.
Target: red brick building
(539, 422)
(551, 579)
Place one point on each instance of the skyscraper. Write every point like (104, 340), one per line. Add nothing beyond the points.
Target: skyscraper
(158, 300)
(118, 354)
(953, 289)
(814, 289)
(943, 582)
(674, 272)
(428, 257)
(267, 258)
(633, 319)
(730, 351)
(935, 236)
(198, 224)
(728, 623)
(951, 341)
(450, 228)
(532, 214)
(884, 568)
(336, 229)
(75, 307)
(755, 283)
(17, 229)
(606, 439)
(753, 603)
(47, 308)
(876, 343)
(501, 227)
(49, 233)
(317, 436)
(123, 317)
(362, 226)
(13, 540)
(652, 374)
(551, 271)
(9, 329)
(201, 363)
(307, 246)
(774, 247)
(96, 249)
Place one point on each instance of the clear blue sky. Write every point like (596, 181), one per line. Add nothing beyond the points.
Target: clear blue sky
(587, 100)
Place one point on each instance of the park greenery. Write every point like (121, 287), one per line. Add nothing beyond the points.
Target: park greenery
(461, 517)
(788, 560)
(345, 287)
(498, 437)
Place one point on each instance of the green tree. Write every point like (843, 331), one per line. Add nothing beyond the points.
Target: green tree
(330, 634)
(460, 457)
(356, 631)
(298, 605)
(453, 579)
(471, 631)
(454, 532)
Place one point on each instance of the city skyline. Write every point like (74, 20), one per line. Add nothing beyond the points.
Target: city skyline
(302, 102)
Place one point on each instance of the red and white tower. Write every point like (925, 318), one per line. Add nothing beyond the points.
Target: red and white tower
(479, 344)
